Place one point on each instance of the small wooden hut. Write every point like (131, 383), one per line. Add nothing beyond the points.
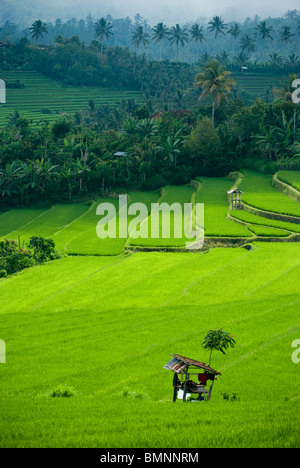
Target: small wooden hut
(120, 154)
(185, 370)
(236, 199)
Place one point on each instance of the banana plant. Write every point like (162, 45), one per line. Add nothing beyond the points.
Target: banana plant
(218, 340)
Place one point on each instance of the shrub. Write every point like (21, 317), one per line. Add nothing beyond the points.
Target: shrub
(62, 391)
(227, 397)
(43, 249)
(14, 259)
(17, 261)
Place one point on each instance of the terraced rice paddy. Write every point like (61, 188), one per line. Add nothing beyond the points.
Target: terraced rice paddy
(265, 223)
(260, 193)
(170, 195)
(104, 327)
(102, 324)
(42, 94)
(290, 177)
(257, 83)
(73, 226)
(213, 193)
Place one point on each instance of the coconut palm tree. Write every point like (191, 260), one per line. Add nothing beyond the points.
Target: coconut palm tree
(217, 26)
(286, 34)
(293, 60)
(241, 59)
(196, 32)
(178, 35)
(264, 31)
(139, 37)
(204, 58)
(103, 30)
(215, 82)
(160, 32)
(247, 44)
(275, 60)
(234, 31)
(38, 29)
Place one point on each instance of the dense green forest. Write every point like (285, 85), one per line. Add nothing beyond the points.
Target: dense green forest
(194, 120)
(270, 42)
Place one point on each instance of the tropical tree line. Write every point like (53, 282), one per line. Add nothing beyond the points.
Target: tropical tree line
(180, 36)
(72, 158)
(255, 37)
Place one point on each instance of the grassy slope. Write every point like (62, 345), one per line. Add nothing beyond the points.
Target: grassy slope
(41, 92)
(260, 194)
(46, 222)
(256, 82)
(213, 194)
(106, 325)
(72, 226)
(259, 220)
(87, 242)
(291, 178)
(172, 194)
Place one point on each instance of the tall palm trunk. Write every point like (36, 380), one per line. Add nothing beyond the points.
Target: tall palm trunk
(213, 112)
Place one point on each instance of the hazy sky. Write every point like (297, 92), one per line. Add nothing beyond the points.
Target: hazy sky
(180, 10)
(169, 11)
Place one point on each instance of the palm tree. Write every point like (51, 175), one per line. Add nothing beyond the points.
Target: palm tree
(103, 30)
(139, 36)
(247, 44)
(177, 36)
(223, 58)
(38, 29)
(217, 25)
(218, 340)
(286, 34)
(275, 60)
(241, 59)
(160, 32)
(204, 58)
(293, 60)
(215, 82)
(285, 93)
(264, 31)
(9, 175)
(59, 40)
(234, 31)
(196, 32)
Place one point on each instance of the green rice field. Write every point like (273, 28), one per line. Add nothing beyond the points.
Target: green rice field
(253, 219)
(170, 195)
(42, 93)
(213, 193)
(260, 193)
(291, 178)
(87, 336)
(73, 226)
(104, 327)
(257, 83)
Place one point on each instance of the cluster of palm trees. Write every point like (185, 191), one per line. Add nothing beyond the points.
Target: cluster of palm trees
(180, 36)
